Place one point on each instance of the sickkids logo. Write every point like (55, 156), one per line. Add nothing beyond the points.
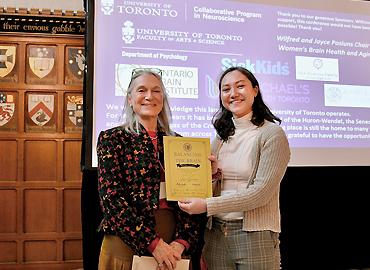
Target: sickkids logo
(258, 66)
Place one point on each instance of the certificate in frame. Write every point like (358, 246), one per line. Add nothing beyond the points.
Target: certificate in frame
(188, 169)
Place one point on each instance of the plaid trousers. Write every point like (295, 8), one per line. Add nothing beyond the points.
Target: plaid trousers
(228, 247)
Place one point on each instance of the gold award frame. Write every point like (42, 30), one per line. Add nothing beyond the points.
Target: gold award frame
(188, 169)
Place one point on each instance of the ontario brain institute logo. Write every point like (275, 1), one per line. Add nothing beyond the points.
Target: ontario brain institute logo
(128, 32)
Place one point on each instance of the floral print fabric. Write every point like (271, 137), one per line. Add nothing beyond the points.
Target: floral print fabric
(129, 181)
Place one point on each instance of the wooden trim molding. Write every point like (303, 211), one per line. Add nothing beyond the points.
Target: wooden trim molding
(41, 21)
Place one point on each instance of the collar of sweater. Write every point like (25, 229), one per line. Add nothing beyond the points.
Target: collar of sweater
(244, 121)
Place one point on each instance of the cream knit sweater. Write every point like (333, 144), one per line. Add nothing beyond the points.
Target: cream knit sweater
(260, 200)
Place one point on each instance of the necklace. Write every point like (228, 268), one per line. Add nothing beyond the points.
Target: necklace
(153, 138)
(153, 135)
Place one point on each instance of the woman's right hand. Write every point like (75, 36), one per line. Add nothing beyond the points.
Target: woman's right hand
(165, 256)
(214, 164)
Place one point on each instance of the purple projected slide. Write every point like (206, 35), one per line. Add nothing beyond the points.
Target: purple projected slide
(313, 66)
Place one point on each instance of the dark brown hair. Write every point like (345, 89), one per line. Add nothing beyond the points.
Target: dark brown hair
(222, 120)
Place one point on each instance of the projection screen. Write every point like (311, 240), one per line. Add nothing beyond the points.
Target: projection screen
(312, 61)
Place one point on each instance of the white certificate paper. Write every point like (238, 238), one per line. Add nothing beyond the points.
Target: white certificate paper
(149, 263)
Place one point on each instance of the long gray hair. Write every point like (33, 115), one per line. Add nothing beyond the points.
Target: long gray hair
(131, 122)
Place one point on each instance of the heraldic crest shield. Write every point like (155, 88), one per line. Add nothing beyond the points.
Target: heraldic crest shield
(7, 59)
(40, 108)
(41, 60)
(76, 62)
(75, 110)
(7, 107)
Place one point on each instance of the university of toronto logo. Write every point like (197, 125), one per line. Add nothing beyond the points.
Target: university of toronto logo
(107, 6)
(128, 32)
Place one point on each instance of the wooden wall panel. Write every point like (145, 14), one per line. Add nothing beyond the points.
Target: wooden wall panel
(40, 161)
(71, 161)
(8, 252)
(72, 210)
(40, 210)
(72, 250)
(38, 251)
(8, 211)
(8, 160)
(40, 178)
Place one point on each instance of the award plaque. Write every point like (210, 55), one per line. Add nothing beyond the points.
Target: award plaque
(188, 169)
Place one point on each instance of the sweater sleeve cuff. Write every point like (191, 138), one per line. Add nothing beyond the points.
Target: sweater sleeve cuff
(212, 205)
(183, 242)
(153, 245)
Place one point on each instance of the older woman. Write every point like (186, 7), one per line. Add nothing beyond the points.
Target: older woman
(137, 219)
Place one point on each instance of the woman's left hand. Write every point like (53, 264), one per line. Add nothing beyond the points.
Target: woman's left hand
(193, 206)
(178, 248)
